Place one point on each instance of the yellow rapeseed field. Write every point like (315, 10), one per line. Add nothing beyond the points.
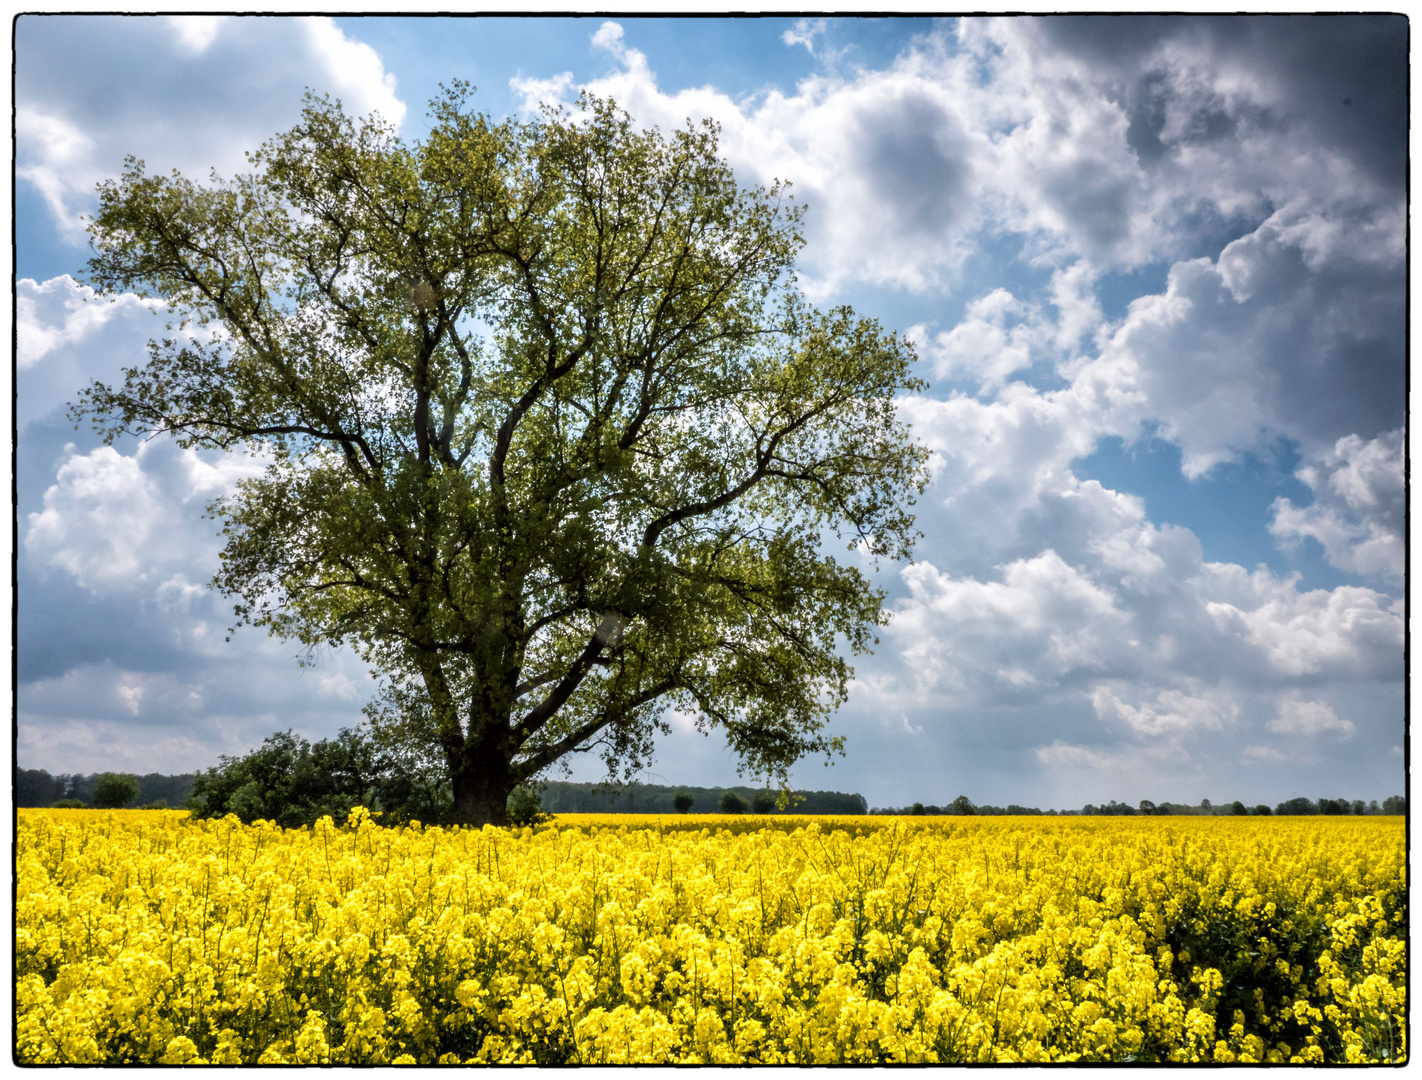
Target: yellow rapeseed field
(143, 936)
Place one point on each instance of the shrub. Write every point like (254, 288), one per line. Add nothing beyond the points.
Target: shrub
(731, 803)
(763, 803)
(114, 790)
(683, 802)
(68, 804)
(525, 806)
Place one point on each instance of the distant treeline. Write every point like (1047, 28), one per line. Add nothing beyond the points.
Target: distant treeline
(36, 787)
(565, 797)
(1393, 804)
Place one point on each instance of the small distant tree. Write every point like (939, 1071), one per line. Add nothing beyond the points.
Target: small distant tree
(1261, 810)
(731, 803)
(1395, 804)
(683, 802)
(917, 809)
(68, 804)
(1237, 808)
(113, 790)
(963, 805)
(763, 803)
(1296, 806)
(1147, 807)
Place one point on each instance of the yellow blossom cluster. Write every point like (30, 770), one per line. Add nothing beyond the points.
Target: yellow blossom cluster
(151, 937)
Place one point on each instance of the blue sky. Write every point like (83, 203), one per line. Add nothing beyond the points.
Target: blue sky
(1155, 271)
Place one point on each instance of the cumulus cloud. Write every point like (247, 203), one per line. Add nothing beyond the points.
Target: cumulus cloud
(102, 716)
(804, 32)
(88, 90)
(1359, 507)
(1046, 610)
(1290, 324)
(1292, 331)
(1309, 719)
(117, 521)
(1171, 712)
(60, 312)
(994, 125)
(66, 336)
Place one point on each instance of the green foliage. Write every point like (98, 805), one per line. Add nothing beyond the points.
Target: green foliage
(68, 804)
(962, 805)
(683, 802)
(35, 787)
(293, 782)
(1238, 808)
(565, 797)
(115, 790)
(554, 440)
(1394, 804)
(763, 802)
(731, 803)
(525, 806)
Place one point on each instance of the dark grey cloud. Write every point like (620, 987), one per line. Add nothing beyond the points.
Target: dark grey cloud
(915, 157)
(1341, 77)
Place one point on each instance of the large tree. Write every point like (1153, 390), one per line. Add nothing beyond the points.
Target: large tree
(550, 436)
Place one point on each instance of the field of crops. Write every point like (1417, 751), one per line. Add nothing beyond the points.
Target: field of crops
(142, 936)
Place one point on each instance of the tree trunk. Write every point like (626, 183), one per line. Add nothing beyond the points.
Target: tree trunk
(481, 789)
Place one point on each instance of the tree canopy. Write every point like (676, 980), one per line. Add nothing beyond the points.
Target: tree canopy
(549, 434)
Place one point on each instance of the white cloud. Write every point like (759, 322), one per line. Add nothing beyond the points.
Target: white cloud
(609, 37)
(338, 685)
(1260, 343)
(1309, 720)
(192, 93)
(1358, 509)
(61, 312)
(1347, 632)
(994, 340)
(196, 32)
(804, 32)
(117, 522)
(354, 71)
(997, 131)
(1172, 712)
(130, 696)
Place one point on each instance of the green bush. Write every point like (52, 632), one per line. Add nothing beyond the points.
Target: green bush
(731, 803)
(69, 804)
(525, 806)
(115, 790)
(294, 782)
(683, 802)
(763, 803)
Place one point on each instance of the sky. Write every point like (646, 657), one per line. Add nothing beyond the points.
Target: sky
(1155, 272)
